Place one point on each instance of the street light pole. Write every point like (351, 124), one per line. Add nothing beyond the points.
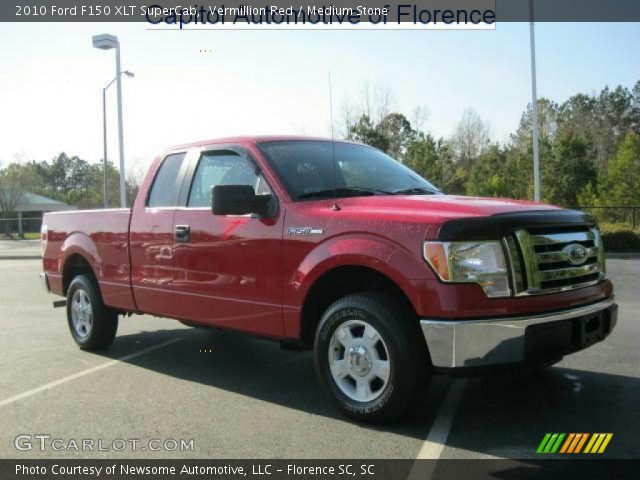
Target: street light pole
(534, 108)
(104, 130)
(107, 42)
(123, 197)
(104, 141)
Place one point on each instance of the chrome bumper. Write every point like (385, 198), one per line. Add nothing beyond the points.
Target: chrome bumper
(495, 341)
(44, 281)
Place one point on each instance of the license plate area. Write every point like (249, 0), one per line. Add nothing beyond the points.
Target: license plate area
(590, 330)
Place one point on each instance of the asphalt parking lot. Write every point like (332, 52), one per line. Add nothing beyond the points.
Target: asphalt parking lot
(246, 398)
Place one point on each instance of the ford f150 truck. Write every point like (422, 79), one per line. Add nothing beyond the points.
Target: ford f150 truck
(336, 246)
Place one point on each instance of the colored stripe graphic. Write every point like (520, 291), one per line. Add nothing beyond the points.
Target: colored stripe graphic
(556, 445)
(598, 442)
(590, 444)
(573, 443)
(581, 442)
(543, 443)
(551, 443)
(606, 442)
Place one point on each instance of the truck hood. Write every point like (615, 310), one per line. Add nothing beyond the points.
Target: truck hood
(436, 208)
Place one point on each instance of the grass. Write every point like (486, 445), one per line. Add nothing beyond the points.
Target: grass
(26, 236)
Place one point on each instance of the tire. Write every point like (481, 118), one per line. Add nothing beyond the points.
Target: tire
(93, 325)
(380, 372)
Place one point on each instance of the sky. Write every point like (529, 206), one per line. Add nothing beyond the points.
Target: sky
(195, 85)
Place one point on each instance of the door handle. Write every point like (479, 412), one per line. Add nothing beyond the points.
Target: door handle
(182, 233)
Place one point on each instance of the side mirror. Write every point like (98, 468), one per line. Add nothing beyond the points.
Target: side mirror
(239, 200)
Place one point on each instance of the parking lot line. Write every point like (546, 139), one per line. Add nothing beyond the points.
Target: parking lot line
(88, 371)
(436, 440)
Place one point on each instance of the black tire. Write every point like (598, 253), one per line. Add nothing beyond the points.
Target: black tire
(409, 368)
(100, 329)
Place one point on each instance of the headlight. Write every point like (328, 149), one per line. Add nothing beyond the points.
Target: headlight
(470, 262)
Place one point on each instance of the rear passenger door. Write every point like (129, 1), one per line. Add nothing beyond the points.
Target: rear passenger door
(152, 239)
(228, 269)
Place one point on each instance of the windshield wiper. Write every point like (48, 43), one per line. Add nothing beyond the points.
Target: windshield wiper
(416, 191)
(344, 192)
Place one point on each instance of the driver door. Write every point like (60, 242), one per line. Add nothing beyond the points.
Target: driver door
(228, 269)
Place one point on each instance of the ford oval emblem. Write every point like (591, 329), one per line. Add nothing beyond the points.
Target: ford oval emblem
(576, 253)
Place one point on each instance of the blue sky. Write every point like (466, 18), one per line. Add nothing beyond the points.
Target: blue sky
(252, 82)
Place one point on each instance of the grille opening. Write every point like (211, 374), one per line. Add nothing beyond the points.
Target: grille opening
(556, 247)
(543, 267)
(566, 282)
(558, 229)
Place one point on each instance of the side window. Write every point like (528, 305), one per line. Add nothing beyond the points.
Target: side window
(166, 187)
(223, 168)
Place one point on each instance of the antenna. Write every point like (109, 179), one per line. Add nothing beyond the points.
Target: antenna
(333, 149)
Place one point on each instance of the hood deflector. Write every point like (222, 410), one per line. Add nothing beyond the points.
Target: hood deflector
(501, 225)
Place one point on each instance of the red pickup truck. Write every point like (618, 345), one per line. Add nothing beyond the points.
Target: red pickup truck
(336, 246)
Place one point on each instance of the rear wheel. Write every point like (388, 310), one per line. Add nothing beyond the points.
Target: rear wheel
(371, 357)
(92, 324)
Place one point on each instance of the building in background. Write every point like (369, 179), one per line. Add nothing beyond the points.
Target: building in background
(26, 214)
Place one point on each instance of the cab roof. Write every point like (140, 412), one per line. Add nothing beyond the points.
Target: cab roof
(254, 139)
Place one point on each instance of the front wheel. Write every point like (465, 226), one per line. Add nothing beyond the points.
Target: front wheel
(371, 357)
(93, 325)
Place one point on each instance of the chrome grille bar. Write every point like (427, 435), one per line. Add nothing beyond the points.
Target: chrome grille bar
(561, 273)
(543, 262)
(552, 257)
(567, 237)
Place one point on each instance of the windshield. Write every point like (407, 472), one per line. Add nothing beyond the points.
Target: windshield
(306, 168)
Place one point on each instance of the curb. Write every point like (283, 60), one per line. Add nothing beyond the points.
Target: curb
(20, 257)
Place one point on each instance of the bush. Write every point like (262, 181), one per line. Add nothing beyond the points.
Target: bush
(620, 237)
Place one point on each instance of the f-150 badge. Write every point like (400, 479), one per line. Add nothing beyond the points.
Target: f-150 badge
(305, 231)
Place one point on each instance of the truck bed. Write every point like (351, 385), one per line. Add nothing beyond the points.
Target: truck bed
(102, 238)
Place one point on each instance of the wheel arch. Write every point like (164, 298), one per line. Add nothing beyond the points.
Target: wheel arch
(338, 282)
(79, 255)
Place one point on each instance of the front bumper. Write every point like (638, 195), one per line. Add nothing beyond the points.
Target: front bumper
(509, 340)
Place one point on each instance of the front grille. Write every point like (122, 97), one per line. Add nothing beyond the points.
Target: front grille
(554, 259)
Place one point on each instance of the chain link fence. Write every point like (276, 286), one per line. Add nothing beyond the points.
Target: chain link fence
(628, 215)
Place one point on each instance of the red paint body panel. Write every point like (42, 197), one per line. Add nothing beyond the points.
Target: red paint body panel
(230, 273)
(248, 274)
(101, 237)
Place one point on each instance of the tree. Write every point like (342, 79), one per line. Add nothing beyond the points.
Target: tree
(135, 175)
(398, 131)
(567, 170)
(434, 161)
(602, 120)
(488, 177)
(621, 184)
(365, 131)
(374, 102)
(470, 138)
(547, 124)
(518, 172)
(14, 182)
